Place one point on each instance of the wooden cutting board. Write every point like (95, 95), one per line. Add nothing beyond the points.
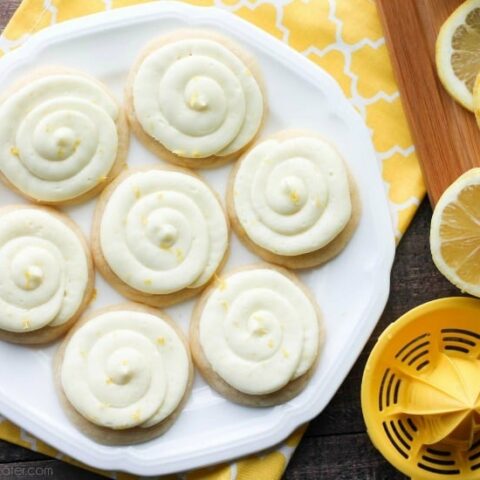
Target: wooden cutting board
(445, 134)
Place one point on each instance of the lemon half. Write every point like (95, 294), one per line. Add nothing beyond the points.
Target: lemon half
(455, 233)
(458, 52)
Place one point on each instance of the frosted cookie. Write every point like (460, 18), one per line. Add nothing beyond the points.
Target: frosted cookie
(292, 200)
(256, 335)
(46, 274)
(63, 137)
(159, 235)
(123, 374)
(195, 98)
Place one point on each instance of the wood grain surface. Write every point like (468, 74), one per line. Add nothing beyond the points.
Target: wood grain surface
(335, 446)
(445, 134)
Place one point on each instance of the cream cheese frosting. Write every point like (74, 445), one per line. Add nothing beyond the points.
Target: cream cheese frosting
(58, 136)
(259, 331)
(125, 369)
(163, 231)
(43, 271)
(292, 197)
(197, 98)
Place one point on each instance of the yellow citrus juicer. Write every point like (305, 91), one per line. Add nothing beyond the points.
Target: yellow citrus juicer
(421, 391)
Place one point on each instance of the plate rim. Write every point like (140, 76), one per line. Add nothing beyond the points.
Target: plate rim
(290, 420)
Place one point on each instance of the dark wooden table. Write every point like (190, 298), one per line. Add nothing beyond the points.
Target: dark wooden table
(336, 446)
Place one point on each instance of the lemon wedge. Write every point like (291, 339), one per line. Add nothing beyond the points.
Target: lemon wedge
(458, 52)
(455, 233)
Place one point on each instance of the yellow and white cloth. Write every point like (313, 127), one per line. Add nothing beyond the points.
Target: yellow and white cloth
(345, 38)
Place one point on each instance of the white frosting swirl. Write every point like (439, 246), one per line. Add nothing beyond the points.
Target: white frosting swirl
(292, 197)
(163, 231)
(58, 136)
(197, 98)
(43, 271)
(259, 331)
(124, 369)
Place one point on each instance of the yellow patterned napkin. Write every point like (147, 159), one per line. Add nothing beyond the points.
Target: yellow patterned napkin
(343, 37)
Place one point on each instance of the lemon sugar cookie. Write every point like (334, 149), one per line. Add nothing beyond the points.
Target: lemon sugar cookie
(46, 274)
(292, 200)
(159, 235)
(256, 336)
(123, 374)
(195, 98)
(62, 137)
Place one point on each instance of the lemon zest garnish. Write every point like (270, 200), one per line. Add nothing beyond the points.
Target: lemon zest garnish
(15, 151)
(108, 381)
(137, 192)
(147, 281)
(294, 197)
(125, 362)
(161, 340)
(26, 323)
(179, 254)
(221, 283)
(285, 352)
(136, 415)
(193, 100)
(28, 277)
(262, 331)
(144, 219)
(270, 343)
(224, 304)
(196, 154)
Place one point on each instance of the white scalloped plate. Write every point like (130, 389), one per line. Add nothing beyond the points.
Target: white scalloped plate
(352, 290)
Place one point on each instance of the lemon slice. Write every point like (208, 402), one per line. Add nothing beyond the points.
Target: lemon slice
(455, 233)
(458, 52)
